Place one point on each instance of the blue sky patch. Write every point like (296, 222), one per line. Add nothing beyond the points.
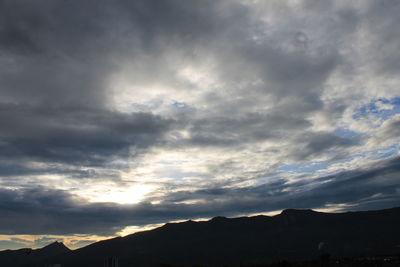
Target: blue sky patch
(387, 152)
(180, 105)
(375, 107)
(345, 133)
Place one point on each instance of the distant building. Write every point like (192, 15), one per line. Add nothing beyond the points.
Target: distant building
(111, 262)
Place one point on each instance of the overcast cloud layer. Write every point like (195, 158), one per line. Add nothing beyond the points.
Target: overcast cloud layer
(131, 113)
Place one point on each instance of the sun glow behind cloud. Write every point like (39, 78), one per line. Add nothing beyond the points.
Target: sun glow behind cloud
(121, 195)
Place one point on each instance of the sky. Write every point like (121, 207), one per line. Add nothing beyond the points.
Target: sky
(119, 116)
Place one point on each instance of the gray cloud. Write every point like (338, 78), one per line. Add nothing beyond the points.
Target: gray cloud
(70, 58)
(315, 143)
(88, 86)
(249, 128)
(58, 212)
(85, 137)
(382, 23)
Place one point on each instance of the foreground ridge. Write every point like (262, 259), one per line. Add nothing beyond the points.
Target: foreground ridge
(292, 235)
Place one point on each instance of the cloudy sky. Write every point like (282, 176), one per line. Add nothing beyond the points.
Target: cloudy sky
(117, 116)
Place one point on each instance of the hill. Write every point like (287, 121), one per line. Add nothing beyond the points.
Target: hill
(27, 256)
(291, 235)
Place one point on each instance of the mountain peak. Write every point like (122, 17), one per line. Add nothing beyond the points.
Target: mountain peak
(297, 211)
(297, 234)
(56, 246)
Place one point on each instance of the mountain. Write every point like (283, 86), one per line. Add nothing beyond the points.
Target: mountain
(291, 235)
(26, 256)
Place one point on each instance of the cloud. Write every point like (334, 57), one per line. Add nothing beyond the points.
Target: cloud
(315, 143)
(193, 100)
(58, 212)
(83, 137)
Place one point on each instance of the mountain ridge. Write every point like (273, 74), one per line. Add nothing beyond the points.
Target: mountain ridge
(26, 256)
(291, 235)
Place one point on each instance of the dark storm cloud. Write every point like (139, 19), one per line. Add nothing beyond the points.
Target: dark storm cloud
(58, 60)
(89, 28)
(292, 72)
(51, 57)
(382, 23)
(57, 56)
(377, 187)
(9, 169)
(57, 212)
(238, 130)
(315, 143)
(86, 137)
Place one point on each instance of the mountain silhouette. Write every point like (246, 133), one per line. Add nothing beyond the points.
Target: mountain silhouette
(27, 256)
(290, 235)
